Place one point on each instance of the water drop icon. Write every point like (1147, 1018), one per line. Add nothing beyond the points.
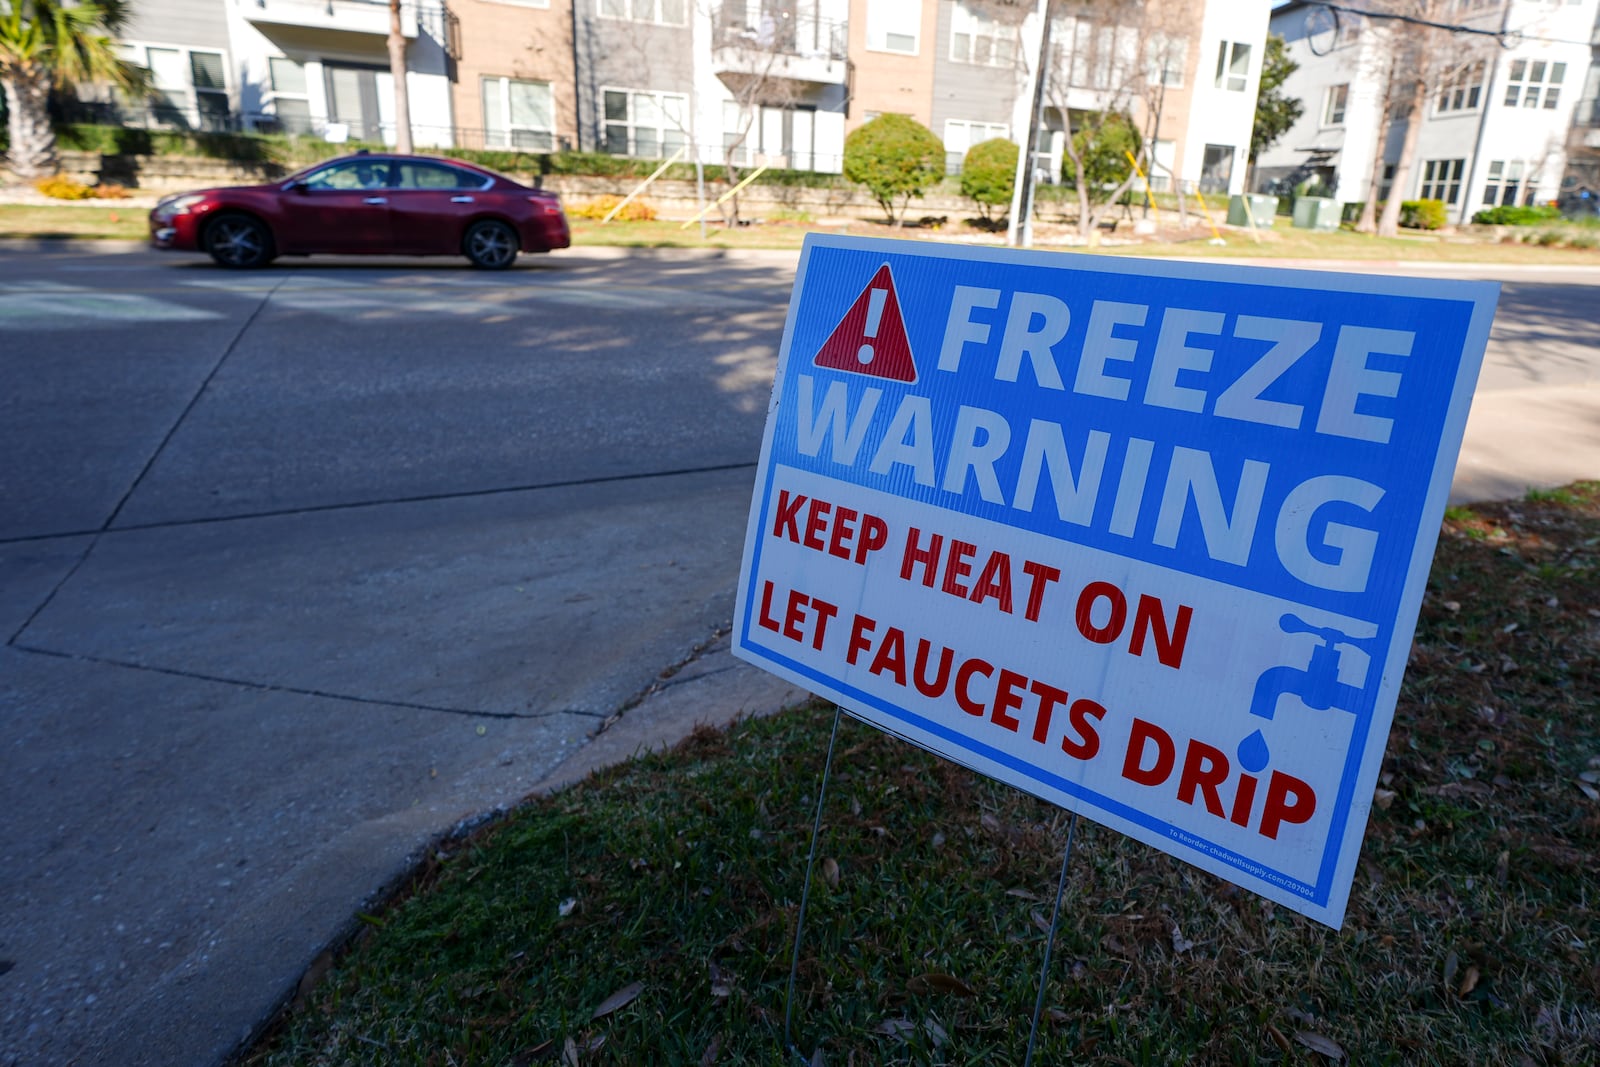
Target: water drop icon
(1253, 753)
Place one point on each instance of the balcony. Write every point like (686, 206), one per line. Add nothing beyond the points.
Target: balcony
(778, 42)
(348, 16)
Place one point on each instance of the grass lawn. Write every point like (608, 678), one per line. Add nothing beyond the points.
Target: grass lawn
(646, 915)
(73, 220)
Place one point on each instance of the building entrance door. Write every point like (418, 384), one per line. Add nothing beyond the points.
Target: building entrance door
(353, 99)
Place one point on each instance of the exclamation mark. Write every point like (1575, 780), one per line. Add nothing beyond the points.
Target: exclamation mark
(874, 314)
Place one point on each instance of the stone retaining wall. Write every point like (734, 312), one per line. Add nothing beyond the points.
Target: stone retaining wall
(671, 199)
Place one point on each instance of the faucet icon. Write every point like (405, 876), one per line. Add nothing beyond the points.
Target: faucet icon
(1318, 686)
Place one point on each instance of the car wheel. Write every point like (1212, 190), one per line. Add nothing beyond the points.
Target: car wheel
(239, 242)
(490, 244)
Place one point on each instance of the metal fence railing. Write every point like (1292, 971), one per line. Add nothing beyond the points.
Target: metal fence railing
(781, 30)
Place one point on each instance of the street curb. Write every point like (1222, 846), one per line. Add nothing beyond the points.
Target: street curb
(784, 256)
(713, 690)
(73, 245)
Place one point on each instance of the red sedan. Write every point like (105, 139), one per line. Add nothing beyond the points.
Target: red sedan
(367, 203)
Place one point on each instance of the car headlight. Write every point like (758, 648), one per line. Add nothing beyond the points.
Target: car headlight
(179, 205)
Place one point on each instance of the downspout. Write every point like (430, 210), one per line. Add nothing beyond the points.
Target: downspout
(1483, 123)
(577, 80)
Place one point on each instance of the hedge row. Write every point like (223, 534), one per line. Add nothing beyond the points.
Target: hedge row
(303, 151)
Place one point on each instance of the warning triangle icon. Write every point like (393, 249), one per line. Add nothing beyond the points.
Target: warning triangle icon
(871, 338)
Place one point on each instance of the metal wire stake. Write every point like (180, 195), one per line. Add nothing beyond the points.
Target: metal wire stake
(1055, 917)
(805, 892)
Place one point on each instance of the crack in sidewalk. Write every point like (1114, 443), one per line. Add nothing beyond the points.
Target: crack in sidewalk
(293, 690)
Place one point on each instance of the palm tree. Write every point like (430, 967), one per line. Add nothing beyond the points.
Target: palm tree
(55, 44)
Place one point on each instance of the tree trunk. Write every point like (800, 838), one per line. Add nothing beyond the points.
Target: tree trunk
(33, 141)
(1389, 221)
(397, 71)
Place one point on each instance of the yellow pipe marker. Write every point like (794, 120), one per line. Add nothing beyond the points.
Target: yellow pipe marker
(1149, 201)
(625, 201)
(1216, 237)
(731, 192)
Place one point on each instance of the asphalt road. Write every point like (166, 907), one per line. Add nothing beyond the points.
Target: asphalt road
(300, 568)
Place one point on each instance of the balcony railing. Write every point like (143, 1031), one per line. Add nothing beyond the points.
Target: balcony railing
(778, 31)
(353, 16)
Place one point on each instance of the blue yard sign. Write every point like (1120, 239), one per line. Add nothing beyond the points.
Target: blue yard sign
(1147, 540)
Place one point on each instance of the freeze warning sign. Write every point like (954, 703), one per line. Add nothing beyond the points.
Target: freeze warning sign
(1147, 540)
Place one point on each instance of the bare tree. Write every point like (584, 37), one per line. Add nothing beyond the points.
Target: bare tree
(1415, 48)
(1100, 75)
(756, 49)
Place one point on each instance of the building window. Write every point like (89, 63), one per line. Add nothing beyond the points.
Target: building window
(290, 102)
(1095, 55)
(1386, 183)
(1461, 90)
(894, 25)
(210, 81)
(1166, 57)
(643, 123)
(980, 40)
(518, 114)
(189, 88)
(961, 134)
(1334, 103)
(1441, 180)
(1233, 66)
(1505, 183)
(1533, 81)
(661, 12)
(1216, 169)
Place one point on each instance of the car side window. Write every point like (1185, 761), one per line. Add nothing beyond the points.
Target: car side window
(438, 176)
(352, 174)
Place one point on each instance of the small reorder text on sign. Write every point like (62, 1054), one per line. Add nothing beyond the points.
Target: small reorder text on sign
(1148, 542)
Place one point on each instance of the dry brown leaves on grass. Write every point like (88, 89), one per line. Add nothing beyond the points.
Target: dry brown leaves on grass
(1471, 937)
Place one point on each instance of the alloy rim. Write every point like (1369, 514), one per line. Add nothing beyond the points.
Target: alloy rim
(237, 242)
(492, 246)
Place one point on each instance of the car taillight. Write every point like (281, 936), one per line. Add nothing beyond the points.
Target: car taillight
(546, 205)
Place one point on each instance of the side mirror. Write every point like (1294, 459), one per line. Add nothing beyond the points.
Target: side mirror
(297, 187)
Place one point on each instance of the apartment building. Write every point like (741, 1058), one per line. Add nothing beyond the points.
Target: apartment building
(1495, 130)
(515, 83)
(1583, 140)
(184, 45)
(758, 81)
(1186, 74)
(323, 65)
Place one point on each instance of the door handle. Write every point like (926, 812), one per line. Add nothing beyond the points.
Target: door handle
(376, 200)
(461, 199)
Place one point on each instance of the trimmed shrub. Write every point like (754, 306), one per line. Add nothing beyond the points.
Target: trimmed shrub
(1105, 152)
(600, 206)
(989, 174)
(1516, 215)
(1423, 214)
(896, 158)
(61, 187)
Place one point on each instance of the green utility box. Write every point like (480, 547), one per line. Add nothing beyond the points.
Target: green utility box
(1263, 209)
(1316, 213)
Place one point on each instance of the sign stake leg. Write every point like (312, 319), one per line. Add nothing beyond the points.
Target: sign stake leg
(805, 891)
(1055, 918)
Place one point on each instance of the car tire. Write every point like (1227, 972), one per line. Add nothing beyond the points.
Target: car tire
(239, 242)
(490, 244)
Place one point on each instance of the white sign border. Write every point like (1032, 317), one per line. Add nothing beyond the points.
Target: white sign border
(1482, 295)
